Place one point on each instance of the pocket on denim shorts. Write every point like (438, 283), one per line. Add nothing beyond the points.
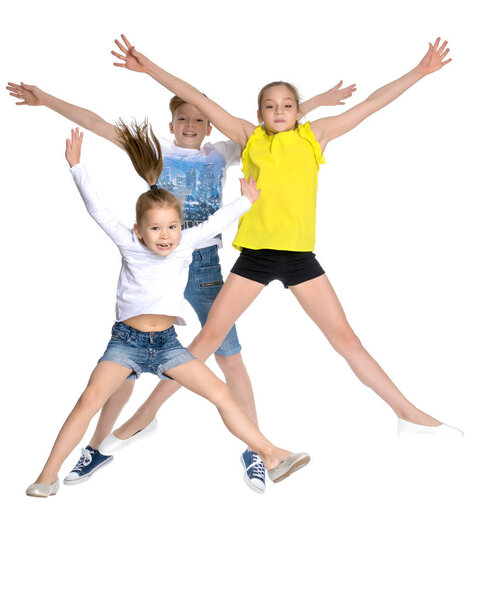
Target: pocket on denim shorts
(211, 281)
(118, 333)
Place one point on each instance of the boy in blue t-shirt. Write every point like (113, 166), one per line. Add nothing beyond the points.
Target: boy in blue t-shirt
(196, 174)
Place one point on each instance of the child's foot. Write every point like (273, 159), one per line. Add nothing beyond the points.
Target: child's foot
(406, 428)
(90, 461)
(254, 472)
(43, 490)
(112, 444)
(413, 415)
(289, 465)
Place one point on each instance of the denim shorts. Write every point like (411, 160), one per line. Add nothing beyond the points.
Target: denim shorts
(204, 283)
(145, 352)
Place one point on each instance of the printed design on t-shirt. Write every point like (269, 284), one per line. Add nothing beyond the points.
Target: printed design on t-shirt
(197, 182)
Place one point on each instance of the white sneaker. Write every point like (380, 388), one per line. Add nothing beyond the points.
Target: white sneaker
(406, 428)
(112, 444)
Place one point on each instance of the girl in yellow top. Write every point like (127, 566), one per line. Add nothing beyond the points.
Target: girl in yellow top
(277, 237)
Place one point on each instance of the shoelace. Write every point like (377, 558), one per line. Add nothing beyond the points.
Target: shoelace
(85, 459)
(257, 468)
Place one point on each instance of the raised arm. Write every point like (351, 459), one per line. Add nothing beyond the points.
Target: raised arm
(330, 128)
(332, 97)
(119, 233)
(30, 95)
(224, 216)
(236, 129)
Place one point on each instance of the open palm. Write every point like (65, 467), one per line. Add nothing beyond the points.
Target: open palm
(73, 147)
(434, 58)
(132, 60)
(337, 94)
(28, 94)
(248, 189)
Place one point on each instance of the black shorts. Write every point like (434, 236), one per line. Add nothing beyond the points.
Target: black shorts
(264, 266)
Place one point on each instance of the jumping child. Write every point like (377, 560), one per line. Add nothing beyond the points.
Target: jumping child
(203, 167)
(155, 258)
(277, 236)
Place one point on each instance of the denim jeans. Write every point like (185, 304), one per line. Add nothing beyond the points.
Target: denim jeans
(204, 283)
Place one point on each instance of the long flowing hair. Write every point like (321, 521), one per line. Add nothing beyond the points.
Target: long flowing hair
(142, 146)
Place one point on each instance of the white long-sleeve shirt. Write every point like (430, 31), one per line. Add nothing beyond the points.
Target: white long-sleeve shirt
(149, 283)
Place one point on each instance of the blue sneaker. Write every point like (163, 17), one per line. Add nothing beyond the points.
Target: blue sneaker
(90, 461)
(254, 473)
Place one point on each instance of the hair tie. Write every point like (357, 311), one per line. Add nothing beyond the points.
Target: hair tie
(153, 187)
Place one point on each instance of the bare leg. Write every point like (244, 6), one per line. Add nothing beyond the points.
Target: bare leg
(238, 381)
(234, 298)
(105, 379)
(196, 376)
(110, 412)
(320, 302)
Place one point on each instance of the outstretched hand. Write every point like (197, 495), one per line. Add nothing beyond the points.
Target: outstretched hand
(73, 147)
(248, 189)
(29, 94)
(336, 94)
(132, 60)
(434, 58)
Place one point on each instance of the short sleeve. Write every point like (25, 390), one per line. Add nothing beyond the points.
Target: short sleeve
(230, 150)
(257, 134)
(305, 132)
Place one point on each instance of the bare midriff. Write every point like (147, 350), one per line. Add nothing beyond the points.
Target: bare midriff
(150, 322)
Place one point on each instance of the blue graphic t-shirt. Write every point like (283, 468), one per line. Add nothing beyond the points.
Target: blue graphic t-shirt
(197, 177)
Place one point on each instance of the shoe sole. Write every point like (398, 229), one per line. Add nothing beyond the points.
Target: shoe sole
(248, 482)
(302, 462)
(92, 472)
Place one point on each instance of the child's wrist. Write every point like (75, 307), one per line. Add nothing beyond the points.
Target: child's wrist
(47, 100)
(150, 68)
(418, 72)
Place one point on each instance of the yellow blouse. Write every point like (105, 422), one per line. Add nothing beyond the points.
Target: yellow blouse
(285, 166)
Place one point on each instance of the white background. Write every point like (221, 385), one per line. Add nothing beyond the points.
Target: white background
(397, 235)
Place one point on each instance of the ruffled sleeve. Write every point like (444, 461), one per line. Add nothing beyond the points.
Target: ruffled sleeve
(257, 134)
(305, 132)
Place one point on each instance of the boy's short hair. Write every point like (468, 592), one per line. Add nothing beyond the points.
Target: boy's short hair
(175, 104)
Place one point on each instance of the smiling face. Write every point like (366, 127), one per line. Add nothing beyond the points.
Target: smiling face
(189, 127)
(278, 109)
(160, 229)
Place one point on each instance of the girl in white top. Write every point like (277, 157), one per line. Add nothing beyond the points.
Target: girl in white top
(155, 258)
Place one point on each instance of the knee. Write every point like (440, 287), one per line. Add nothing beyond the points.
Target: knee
(232, 366)
(346, 342)
(90, 401)
(206, 342)
(221, 395)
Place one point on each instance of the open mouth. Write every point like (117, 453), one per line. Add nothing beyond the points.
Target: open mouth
(164, 246)
(189, 134)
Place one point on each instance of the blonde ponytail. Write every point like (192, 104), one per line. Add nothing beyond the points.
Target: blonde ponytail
(144, 150)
